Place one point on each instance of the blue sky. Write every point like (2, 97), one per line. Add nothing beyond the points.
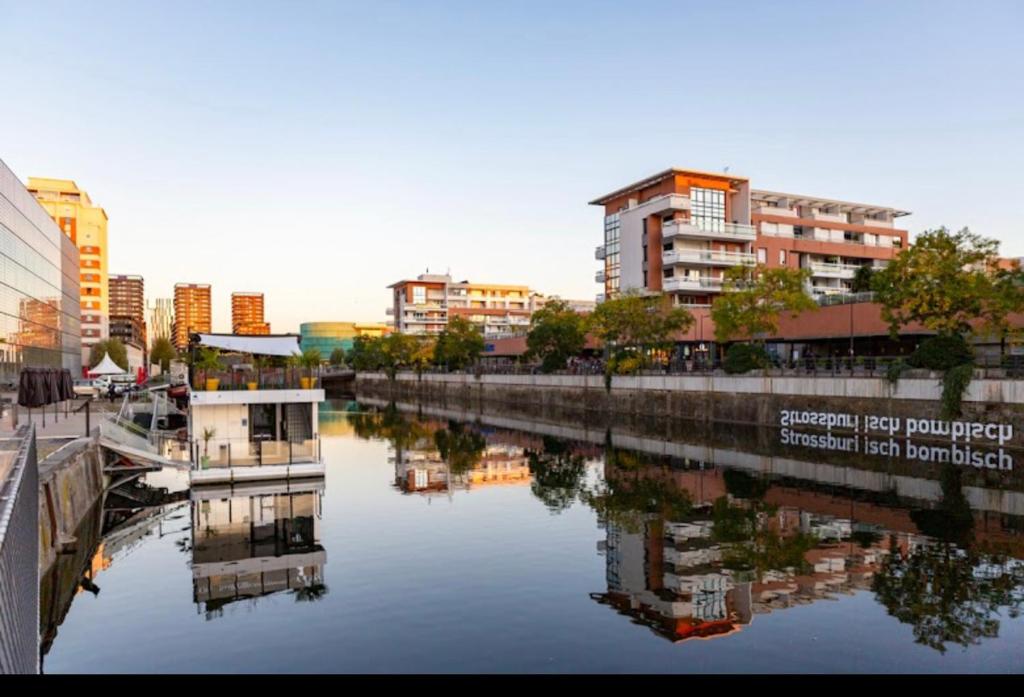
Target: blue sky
(319, 151)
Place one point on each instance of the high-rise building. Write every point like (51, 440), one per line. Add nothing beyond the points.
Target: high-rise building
(40, 315)
(86, 225)
(247, 314)
(424, 305)
(128, 310)
(159, 319)
(192, 311)
(678, 230)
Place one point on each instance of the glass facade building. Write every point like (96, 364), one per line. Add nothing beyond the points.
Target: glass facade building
(40, 316)
(327, 336)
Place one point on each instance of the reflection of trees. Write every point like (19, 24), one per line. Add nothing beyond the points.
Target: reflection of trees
(632, 493)
(750, 544)
(391, 425)
(946, 590)
(557, 474)
(460, 447)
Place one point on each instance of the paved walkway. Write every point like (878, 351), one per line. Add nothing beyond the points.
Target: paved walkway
(65, 423)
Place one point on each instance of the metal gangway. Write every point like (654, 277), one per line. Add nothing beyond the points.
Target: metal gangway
(142, 432)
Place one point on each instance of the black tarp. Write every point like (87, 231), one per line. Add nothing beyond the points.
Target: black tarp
(38, 387)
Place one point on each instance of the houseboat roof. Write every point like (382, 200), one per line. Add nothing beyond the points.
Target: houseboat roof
(264, 345)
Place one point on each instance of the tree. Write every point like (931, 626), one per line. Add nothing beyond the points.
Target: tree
(337, 357)
(944, 281)
(632, 325)
(365, 353)
(459, 345)
(755, 299)
(163, 353)
(556, 333)
(861, 282)
(112, 347)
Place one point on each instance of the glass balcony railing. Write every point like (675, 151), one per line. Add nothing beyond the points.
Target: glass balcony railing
(219, 453)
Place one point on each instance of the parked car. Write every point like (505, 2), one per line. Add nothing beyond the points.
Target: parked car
(85, 387)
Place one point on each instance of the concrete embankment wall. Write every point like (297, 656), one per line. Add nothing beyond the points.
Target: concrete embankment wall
(70, 484)
(757, 400)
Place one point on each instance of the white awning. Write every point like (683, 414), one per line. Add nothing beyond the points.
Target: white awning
(287, 345)
(107, 367)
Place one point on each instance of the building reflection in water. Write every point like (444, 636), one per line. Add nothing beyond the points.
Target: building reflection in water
(696, 549)
(254, 541)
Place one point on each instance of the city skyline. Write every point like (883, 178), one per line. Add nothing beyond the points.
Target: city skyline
(314, 157)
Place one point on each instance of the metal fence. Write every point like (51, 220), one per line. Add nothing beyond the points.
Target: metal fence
(19, 559)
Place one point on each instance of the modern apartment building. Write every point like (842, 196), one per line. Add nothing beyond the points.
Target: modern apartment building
(40, 315)
(128, 309)
(424, 305)
(192, 311)
(159, 319)
(86, 225)
(247, 314)
(679, 230)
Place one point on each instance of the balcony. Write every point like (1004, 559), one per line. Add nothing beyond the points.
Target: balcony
(845, 271)
(599, 298)
(706, 257)
(599, 276)
(690, 284)
(662, 204)
(389, 311)
(599, 253)
(729, 231)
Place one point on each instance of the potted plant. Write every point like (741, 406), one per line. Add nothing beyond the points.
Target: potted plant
(209, 360)
(310, 359)
(208, 433)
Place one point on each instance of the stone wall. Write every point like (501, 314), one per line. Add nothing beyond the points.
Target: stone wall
(70, 485)
(913, 403)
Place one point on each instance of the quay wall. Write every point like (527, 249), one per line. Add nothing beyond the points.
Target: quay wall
(70, 484)
(854, 403)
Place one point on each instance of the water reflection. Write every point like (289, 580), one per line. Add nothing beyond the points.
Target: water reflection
(696, 550)
(248, 543)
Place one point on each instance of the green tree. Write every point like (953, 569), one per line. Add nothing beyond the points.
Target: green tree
(365, 353)
(944, 281)
(114, 347)
(556, 333)
(337, 357)
(755, 299)
(634, 325)
(861, 282)
(459, 345)
(163, 353)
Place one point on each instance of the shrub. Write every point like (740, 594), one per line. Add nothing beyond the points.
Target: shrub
(742, 358)
(941, 353)
(893, 370)
(954, 385)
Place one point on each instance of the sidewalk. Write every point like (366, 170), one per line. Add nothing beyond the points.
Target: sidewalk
(56, 425)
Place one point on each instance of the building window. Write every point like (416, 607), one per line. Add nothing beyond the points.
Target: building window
(762, 255)
(419, 295)
(707, 208)
(782, 257)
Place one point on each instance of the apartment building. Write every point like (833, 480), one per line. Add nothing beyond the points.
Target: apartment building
(424, 305)
(128, 309)
(247, 314)
(86, 225)
(192, 311)
(679, 230)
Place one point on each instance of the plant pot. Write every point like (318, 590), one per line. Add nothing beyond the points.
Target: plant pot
(252, 385)
(204, 462)
(212, 384)
(307, 383)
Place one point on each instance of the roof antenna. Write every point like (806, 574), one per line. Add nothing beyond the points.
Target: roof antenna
(726, 170)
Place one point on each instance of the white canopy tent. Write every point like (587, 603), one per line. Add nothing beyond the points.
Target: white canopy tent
(107, 367)
(281, 345)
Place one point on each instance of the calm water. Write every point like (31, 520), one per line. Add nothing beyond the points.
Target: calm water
(444, 546)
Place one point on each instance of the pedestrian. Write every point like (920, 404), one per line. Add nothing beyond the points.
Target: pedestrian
(111, 393)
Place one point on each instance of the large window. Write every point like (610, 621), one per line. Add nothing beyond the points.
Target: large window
(611, 254)
(707, 208)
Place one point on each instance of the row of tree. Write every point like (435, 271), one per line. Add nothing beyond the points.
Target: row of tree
(455, 348)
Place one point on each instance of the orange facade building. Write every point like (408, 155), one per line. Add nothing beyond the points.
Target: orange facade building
(424, 305)
(247, 314)
(679, 230)
(192, 311)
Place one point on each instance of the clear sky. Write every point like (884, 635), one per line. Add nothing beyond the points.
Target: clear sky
(319, 151)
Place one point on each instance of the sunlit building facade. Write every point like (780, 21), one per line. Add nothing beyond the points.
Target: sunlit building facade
(426, 304)
(247, 314)
(40, 315)
(192, 311)
(128, 309)
(159, 319)
(326, 337)
(86, 225)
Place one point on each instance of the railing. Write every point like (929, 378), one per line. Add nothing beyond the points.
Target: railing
(216, 453)
(267, 379)
(19, 558)
(702, 283)
(821, 269)
(845, 298)
(812, 238)
(599, 253)
(686, 228)
(684, 256)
